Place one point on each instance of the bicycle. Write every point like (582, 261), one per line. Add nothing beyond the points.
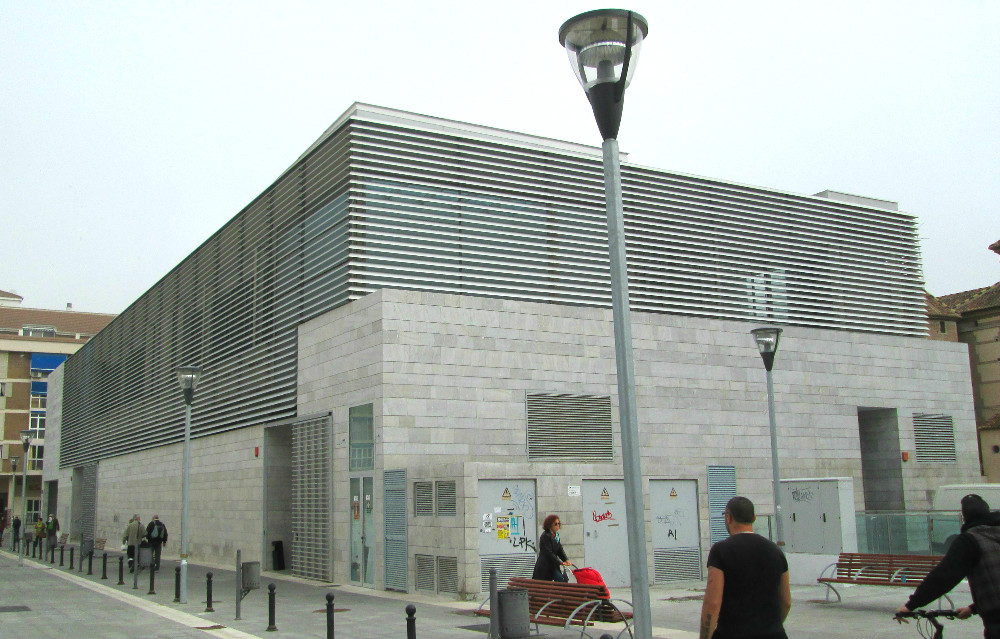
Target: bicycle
(926, 619)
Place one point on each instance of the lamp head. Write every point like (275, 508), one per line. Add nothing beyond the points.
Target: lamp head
(603, 48)
(767, 339)
(26, 439)
(13, 464)
(187, 377)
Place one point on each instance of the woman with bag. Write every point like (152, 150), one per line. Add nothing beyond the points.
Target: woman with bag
(551, 556)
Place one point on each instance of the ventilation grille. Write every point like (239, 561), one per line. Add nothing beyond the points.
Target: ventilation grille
(721, 488)
(676, 564)
(934, 437)
(88, 504)
(508, 567)
(396, 568)
(425, 578)
(423, 498)
(447, 574)
(445, 493)
(311, 499)
(569, 427)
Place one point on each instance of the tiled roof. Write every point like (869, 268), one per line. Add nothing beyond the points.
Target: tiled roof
(974, 300)
(14, 318)
(993, 423)
(995, 247)
(939, 310)
(13, 296)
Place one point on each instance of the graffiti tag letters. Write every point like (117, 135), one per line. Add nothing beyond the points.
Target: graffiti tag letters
(607, 516)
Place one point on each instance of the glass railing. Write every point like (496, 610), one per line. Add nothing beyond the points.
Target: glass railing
(906, 533)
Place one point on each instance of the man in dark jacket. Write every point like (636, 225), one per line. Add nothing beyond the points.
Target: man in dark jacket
(156, 535)
(974, 554)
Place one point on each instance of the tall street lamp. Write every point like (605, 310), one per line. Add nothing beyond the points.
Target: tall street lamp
(188, 377)
(767, 339)
(13, 481)
(603, 47)
(26, 442)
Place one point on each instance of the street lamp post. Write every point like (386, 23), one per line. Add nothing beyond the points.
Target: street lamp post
(13, 481)
(26, 442)
(767, 339)
(188, 377)
(603, 47)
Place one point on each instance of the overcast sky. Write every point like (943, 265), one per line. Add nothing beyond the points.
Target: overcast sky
(131, 131)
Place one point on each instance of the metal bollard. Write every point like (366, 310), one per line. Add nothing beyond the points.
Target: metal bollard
(52, 551)
(208, 593)
(121, 570)
(411, 622)
(606, 636)
(90, 562)
(329, 616)
(152, 579)
(177, 584)
(79, 564)
(62, 554)
(71, 558)
(270, 609)
(104, 565)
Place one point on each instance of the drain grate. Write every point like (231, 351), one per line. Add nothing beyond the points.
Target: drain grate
(14, 609)
(335, 610)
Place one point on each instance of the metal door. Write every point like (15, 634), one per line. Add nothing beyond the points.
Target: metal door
(508, 529)
(394, 528)
(605, 535)
(362, 531)
(676, 532)
(812, 516)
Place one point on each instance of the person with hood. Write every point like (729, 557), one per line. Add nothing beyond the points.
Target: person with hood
(52, 531)
(974, 554)
(156, 535)
(15, 531)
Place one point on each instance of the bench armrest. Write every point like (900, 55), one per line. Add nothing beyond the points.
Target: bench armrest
(822, 573)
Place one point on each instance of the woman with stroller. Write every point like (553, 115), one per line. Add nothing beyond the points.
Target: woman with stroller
(551, 556)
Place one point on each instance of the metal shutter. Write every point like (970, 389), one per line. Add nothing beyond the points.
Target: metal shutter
(934, 438)
(311, 515)
(394, 513)
(721, 488)
(423, 498)
(445, 498)
(569, 427)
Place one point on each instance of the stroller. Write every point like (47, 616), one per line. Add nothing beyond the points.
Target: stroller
(590, 576)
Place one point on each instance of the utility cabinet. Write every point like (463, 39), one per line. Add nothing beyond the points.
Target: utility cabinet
(818, 515)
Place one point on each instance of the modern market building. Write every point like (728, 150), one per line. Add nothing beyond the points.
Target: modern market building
(408, 363)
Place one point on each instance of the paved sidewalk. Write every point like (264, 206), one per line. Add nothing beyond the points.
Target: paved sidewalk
(44, 601)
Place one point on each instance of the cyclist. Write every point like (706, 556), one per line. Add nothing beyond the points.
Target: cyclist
(974, 554)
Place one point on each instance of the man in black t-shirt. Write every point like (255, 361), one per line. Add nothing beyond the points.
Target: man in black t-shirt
(747, 595)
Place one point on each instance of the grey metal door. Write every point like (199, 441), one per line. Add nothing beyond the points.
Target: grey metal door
(394, 524)
(605, 534)
(363, 531)
(508, 529)
(673, 507)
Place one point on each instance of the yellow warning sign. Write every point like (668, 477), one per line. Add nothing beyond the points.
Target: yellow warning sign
(605, 494)
(673, 493)
(506, 494)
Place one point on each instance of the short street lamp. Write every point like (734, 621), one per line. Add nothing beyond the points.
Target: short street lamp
(767, 339)
(13, 489)
(187, 377)
(603, 47)
(26, 442)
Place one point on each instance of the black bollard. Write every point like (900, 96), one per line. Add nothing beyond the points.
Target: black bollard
(208, 593)
(90, 562)
(121, 570)
(71, 558)
(62, 554)
(329, 615)
(411, 622)
(79, 564)
(606, 636)
(52, 550)
(104, 565)
(270, 609)
(177, 584)
(152, 578)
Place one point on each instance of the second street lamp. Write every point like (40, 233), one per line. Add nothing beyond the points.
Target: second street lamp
(767, 339)
(603, 47)
(187, 377)
(26, 442)
(13, 482)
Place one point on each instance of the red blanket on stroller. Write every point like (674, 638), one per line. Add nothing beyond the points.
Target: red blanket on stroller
(589, 576)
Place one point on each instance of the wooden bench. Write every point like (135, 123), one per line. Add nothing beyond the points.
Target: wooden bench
(864, 569)
(568, 604)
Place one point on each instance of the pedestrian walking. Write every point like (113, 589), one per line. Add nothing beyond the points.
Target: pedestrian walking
(39, 533)
(3, 524)
(52, 531)
(131, 537)
(551, 556)
(15, 531)
(748, 592)
(156, 535)
(975, 554)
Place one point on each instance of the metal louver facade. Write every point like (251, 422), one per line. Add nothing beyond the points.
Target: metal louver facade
(390, 199)
(394, 524)
(721, 488)
(564, 427)
(934, 438)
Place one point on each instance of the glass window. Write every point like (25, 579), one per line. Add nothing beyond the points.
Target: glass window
(362, 437)
(38, 401)
(35, 457)
(36, 425)
(34, 512)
